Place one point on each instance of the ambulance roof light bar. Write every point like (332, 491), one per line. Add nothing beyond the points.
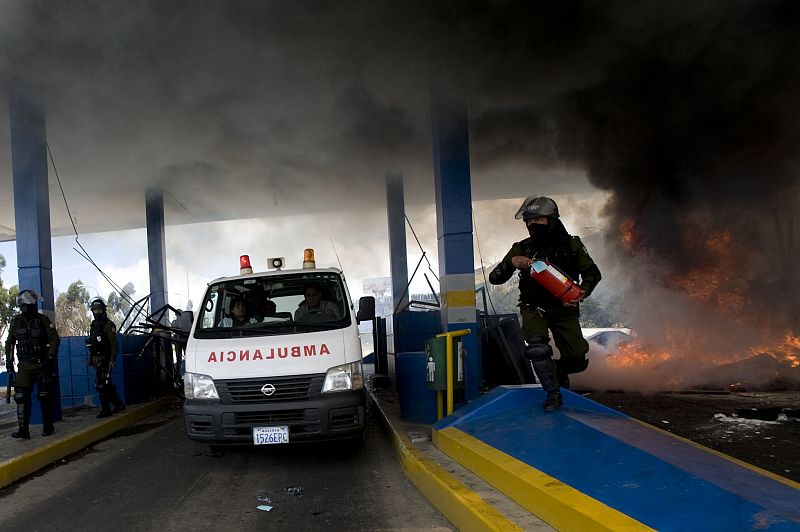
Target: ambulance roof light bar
(308, 258)
(244, 265)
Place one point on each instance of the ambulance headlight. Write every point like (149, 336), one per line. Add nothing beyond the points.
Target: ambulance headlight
(344, 377)
(197, 386)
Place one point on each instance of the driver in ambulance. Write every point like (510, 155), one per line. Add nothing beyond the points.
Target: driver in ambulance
(314, 306)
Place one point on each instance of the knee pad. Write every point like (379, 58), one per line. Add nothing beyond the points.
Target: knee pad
(570, 365)
(539, 348)
(20, 397)
(42, 394)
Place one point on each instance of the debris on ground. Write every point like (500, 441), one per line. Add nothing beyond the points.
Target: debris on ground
(262, 497)
(264, 507)
(297, 491)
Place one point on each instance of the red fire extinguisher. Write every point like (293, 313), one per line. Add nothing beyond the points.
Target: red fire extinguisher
(555, 281)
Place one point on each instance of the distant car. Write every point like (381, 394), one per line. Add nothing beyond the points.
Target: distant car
(609, 339)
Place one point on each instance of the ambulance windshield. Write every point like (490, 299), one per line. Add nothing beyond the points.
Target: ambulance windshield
(274, 304)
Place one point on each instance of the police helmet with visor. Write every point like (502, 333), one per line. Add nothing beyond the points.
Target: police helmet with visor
(97, 303)
(28, 297)
(536, 207)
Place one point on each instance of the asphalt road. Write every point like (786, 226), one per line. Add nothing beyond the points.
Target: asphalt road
(150, 477)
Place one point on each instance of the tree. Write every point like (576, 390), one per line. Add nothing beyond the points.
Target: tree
(118, 306)
(72, 313)
(8, 300)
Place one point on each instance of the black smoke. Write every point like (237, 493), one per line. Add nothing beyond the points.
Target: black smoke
(686, 112)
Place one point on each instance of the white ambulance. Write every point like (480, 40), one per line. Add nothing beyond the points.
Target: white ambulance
(275, 357)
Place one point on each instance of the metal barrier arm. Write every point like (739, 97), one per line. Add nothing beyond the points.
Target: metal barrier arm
(449, 363)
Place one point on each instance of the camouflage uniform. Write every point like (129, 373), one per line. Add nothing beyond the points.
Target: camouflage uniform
(543, 313)
(103, 347)
(36, 342)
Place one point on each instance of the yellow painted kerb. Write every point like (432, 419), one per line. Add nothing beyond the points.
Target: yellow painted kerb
(561, 506)
(61, 446)
(460, 505)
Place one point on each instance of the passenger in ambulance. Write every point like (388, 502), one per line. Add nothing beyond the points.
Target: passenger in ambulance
(238, 317)
(314, 308)
(266, 309)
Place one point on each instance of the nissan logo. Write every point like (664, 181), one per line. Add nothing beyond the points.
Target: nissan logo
(268, 389)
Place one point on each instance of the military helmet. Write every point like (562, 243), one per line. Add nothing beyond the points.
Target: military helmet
(28, 297)
(536, 206)
(97, 302)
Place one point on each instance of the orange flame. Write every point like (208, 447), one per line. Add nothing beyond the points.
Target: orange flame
(630, 354)
(628, 234)
(787, 351)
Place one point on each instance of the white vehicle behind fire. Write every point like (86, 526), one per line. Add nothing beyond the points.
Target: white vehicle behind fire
(275, 357)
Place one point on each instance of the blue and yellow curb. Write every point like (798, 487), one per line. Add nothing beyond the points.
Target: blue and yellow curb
(25, 464)
(459, 504)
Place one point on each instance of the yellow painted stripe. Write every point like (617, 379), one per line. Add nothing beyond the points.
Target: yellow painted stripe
(460, 505)
(561, 506)
(773, 476)
(35, 459)
(459, 298)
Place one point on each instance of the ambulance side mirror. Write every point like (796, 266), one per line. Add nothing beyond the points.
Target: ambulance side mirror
(366, 309)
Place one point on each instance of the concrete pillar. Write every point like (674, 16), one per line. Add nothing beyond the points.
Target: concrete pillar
(156, 247)
(31, 197)
(396, 213)
(454, 231)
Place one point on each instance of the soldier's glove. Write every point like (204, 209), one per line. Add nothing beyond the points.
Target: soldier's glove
(90, 361)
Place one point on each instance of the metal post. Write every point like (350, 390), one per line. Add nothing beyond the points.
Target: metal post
(449, 336)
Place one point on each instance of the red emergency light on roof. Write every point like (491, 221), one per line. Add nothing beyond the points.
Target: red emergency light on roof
(244, 265)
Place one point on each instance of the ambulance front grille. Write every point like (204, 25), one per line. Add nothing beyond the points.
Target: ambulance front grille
(248, 391)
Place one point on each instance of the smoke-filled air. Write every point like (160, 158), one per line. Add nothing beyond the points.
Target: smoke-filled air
(684, 116)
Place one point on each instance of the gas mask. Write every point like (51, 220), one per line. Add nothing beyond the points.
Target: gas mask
(538, 231)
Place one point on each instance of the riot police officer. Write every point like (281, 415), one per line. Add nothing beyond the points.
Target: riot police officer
(36, 342)
(102, 344)
(542, 312)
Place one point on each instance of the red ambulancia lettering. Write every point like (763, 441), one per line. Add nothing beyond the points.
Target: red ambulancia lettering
(244, 355)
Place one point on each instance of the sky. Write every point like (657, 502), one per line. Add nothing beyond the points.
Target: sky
(672, 129)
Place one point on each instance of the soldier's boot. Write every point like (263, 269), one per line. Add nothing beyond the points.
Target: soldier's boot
(47, 419)
(553, 401)
(23, 419)
(105, 408)
(539, 353)
(118, 405)
(561, 373)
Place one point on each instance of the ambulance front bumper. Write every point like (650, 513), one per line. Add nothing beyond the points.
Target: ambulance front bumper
(331, 416)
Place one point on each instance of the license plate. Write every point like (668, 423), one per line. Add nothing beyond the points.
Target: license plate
(270, 435)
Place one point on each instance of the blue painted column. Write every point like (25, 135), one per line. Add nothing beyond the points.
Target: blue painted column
(454, 231)
(32, 215)
(156, 247)
(31, 198)
(398, 260)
